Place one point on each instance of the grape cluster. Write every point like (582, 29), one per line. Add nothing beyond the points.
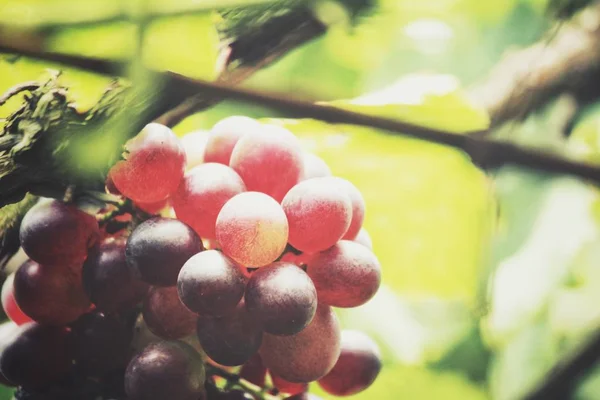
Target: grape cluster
(234, 253)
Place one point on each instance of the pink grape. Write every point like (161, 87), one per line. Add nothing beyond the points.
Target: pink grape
(252, 229)
(356, 368)
(308, 355)
(165, 314)
(364, 238)
(290, 388)
(194, 144)
(50, 295)
(314, 167)
(153, 167)
(202, 193)
(153, 208)
(358, 205)
(282, 297)
(211, 284)
(268, 160)
(53, 232)
(318, 214)
(346, 275)
(224, 136)
(9, 304)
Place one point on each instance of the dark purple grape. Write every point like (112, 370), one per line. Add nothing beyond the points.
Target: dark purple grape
(166, 316)
(158, 248)
(232, 339)
(53, 232)
(165, 370)
(303, 396)
(50, 294)
(308, 355)
(356, 368)
(108, 281)
(236, 395)
(211, 284)
(100, 343)
(36, 355)
(282, 297)
(254, 371)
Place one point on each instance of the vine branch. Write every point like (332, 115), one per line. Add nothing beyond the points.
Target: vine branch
(566, 61)
(233, 379)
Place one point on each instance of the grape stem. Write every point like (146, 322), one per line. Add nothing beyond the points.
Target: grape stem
(234, 380)
(122, 207)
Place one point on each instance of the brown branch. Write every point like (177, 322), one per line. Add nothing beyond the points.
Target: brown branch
(525, 80)
(561, 379)
(485, 151)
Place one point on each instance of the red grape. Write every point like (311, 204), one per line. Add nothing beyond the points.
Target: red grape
(211, 284)
(50, 295)
(308, 355)
(318, 214)
(252, 229)
(154, 207)
(358, 205)
(36, 355)
(153, 167)
(165, 370)
(224, 136)
(364, 238)
(165, 314)
(194, 144)
(268, 160)
(158, 248)
(232, 339)
(282, 297)
(202, 193)
(100, 343)
(357, 367)
(346, 275)
(314, 167)
(9, 304)
(110, 185)
(53, 232)
(107, 280)
(254, 371)
(290, 388)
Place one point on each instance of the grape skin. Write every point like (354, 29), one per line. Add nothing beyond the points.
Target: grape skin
(211, 284)
(252, 229)
(318, 214)
(357, 367)
(154, 165)
(303, 396)
(282, 297)
(36, 355)
(165, 314)
(165, 370)
(232, 339)
(358, 205)
(314, 167)
(50, 294)
(364, 238)
(107, 280)
(100, 343)
(158, 248)
(201, 195)
(53, 232)
(268, 160)
(254, 371)
(194, 144)
(224, 136)
(346, 275)
(9, 304)
(308, 355)
(290, 388)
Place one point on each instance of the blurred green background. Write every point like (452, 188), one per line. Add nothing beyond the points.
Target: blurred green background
(488, 280)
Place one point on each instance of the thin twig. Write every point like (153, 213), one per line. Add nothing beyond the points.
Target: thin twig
(15, 90)
(256, 391)
(560, 381)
